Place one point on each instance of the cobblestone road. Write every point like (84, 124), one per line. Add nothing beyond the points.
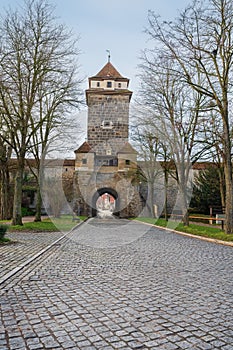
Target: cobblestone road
(26, 245)
(115, 286)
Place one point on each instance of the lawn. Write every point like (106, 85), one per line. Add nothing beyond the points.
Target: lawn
(199, 230)
(64, 223)
(4, 240)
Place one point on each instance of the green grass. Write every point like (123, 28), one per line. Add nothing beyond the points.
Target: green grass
(4, 240)
(64, 223)
(199, 230)
(42, 226)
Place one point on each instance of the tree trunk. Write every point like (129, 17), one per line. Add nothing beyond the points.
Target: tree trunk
(228, 209)
(166, 194)
(5, 193)
(228, 175)
(151, 199)
(186, 218)
(40, 184)
(184, 207)
(38, 206)
(221, 187)
(17, 203)
(182, 182)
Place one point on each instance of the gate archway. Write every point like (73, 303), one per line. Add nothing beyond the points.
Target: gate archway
(105, 197)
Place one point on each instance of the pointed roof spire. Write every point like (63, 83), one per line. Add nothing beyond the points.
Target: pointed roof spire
(108, 71)
(109, 55)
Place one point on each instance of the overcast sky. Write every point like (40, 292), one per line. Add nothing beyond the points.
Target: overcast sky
(115, 25)
(102, 25)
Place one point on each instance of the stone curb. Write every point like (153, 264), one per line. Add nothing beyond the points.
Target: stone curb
(212, 240)
(37, 255)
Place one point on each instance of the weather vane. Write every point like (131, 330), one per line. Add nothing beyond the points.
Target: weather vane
(109, 56)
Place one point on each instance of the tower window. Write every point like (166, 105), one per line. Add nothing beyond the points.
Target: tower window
(84, 161)
(98, 84)
(106, 124)
(119, 85)
(109, 84)
(127, 162)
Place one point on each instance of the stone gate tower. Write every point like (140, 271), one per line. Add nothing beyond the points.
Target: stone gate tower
(106, 164)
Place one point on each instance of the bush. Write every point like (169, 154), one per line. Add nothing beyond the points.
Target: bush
(206, 191)
(27, 212)
(3, 229)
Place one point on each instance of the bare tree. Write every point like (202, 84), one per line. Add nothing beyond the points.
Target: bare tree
(55, 129)
(174, 112)
(201, 43)
(38, 79)
(148, 147)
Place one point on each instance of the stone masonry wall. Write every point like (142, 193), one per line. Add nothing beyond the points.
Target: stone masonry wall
(108, 119)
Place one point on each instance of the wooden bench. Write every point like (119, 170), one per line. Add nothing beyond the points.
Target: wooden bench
(201, 218)
(209, 218)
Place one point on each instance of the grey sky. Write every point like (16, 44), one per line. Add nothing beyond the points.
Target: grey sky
(114, 25)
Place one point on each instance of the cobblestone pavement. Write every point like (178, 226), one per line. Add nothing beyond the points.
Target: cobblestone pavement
(159, 291)
(26, 245)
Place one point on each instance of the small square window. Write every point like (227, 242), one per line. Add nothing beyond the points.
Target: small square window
(127, 162)
(84, 161)
(106, 124)
(109, 84)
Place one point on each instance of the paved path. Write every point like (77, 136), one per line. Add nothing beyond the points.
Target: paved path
(120, 285)
(26, 245)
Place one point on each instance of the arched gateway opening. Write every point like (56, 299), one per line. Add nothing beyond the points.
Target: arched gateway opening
(105, 201)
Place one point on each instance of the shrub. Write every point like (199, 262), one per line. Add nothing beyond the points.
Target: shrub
(27, 211)
(206, 191)
(3, 229)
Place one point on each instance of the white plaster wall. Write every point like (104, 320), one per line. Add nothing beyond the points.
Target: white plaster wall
(103, 84)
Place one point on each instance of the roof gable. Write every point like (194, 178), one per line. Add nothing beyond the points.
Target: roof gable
(84, 148)
(108, 72)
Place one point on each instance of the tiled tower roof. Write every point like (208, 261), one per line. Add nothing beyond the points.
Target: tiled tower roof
(109, 72)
